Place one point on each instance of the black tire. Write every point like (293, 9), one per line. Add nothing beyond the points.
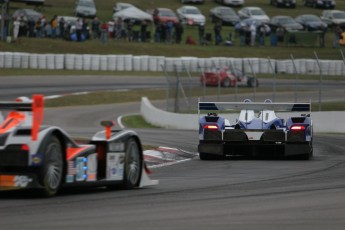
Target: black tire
(206, 157)
(252, 81)
(53, 167)
(227, 83)
(133, 164)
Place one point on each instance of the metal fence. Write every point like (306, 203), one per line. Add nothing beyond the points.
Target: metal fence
(294, 80)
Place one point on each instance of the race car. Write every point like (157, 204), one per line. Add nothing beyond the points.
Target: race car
(46, 158)
(258, 130)
(227, 77)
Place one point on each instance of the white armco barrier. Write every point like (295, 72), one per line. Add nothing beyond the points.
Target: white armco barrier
(251, 65)
(59, 61)
(136, 63)
(128, 62)
(335, 120)
(33, 61)
(155, 63)
(95, 62)
(103, 63)
(24, 61)
(16, 60)
(8, 63)
(50, 61)
(111, 59)
(2, 60)
(78, 62)
(144, 63)
(42, 61)
(120, 63)
(70, 61)
(86, 62)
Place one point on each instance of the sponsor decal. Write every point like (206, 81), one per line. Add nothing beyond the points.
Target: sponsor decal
(71, 170)
(115, 166)
(19, 181)
(81, 168)
(69, 179)
(36, 160)
(92, 167)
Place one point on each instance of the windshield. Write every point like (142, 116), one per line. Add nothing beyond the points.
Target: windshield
(340, 15)
(166, 13)
(286, 20)
(87, 4)
(192, 11)
(258, 12)
(227, 12)
(311, 18)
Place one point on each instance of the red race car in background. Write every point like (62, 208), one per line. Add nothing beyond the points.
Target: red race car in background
(227, 77)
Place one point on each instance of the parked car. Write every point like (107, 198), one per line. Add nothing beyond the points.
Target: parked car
(190, 15)
(224, 14)
(227, 77)
(286, 22)
(253, 12)
(192, 1)
(27, 13)
(121, 6)
(231, 2)
(311, 22)
(163, 15)
(283, 3)
(329, 4)
(333, 18)
(85, 8)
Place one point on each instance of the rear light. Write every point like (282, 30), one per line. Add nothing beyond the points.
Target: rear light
(211, 127)
(297, 128)
(24, 148)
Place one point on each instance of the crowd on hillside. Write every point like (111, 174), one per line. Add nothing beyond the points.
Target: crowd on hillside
(82, 29)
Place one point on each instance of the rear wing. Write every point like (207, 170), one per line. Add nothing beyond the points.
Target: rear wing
(256, 106)
(35, 106)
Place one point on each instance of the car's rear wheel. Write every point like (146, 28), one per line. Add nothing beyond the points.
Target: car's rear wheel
(227, 82)
(133, 164)
(53, 166)
(207, 156)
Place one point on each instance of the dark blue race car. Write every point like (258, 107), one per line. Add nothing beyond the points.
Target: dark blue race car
(258, 130)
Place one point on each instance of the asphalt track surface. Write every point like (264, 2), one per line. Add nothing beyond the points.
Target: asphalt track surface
(237, 193)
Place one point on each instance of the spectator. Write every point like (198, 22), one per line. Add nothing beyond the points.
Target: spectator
(62, 27)
(264, 30)
(95, 28)
(169, 30)
(54, 25)
(104, 32)
(85, 30)
(31, 25)
(143, 30)
(201, 30)
(158, 31)
(252, 33)
(178, 32)
(111, 28)
(38, 28)
(79, 29)
(16, 25)
(190, 40)
(337, 35)
(217, 33)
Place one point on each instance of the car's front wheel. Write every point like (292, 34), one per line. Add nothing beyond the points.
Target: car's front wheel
(53, 166)
(133, 164)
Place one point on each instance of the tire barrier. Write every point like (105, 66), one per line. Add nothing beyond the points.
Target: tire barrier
(144, 63)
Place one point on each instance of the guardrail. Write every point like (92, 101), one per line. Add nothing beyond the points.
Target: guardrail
(154, 63)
